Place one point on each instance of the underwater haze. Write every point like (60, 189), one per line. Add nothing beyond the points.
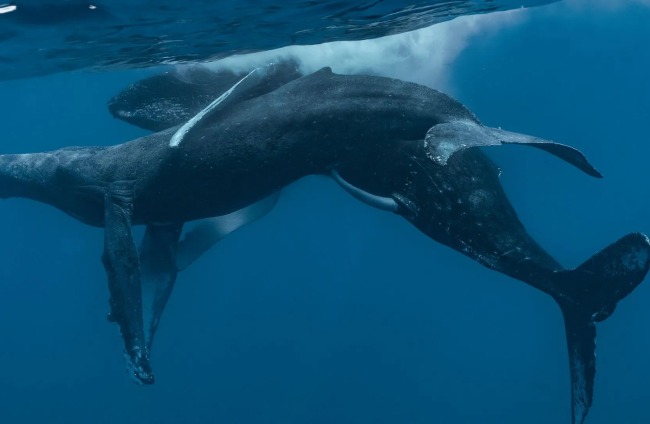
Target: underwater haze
(328, 311)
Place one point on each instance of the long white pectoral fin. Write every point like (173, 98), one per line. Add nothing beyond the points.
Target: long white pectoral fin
(445, 139)
(207, 232)
(228, 98)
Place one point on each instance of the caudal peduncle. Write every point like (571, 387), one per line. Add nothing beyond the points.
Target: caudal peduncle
(27, 175)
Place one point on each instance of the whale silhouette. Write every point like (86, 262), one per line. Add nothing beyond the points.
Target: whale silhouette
(394, 145)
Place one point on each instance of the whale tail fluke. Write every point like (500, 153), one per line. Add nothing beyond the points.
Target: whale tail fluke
(590, 294)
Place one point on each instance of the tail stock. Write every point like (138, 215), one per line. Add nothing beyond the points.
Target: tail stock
(589, 294)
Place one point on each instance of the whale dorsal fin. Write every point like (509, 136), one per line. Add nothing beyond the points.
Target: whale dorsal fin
(443, 140)
(234, 95)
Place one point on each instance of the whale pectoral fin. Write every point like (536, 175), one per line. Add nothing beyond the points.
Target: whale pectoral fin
(380, 202)
(443, 140)
(207, 232)
(238, 92)
(120, 259)
(158, 273)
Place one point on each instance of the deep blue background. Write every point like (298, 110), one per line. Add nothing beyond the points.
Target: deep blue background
(328, 311)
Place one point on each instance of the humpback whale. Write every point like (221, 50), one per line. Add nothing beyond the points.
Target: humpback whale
(394, 145)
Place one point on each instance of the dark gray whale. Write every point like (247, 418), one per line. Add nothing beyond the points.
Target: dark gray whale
(171, 98)
(392, 144)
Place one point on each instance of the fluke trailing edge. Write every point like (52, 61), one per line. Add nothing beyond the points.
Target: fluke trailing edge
(394, 145)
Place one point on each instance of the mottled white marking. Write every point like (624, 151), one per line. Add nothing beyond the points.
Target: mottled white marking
(379, 202)
(635, 260)
(251, 79)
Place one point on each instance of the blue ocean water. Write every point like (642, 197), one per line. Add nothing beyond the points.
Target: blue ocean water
(69, 35)
(328, 311)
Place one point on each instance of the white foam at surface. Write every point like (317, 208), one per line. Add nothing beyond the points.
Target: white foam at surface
(423, 56)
